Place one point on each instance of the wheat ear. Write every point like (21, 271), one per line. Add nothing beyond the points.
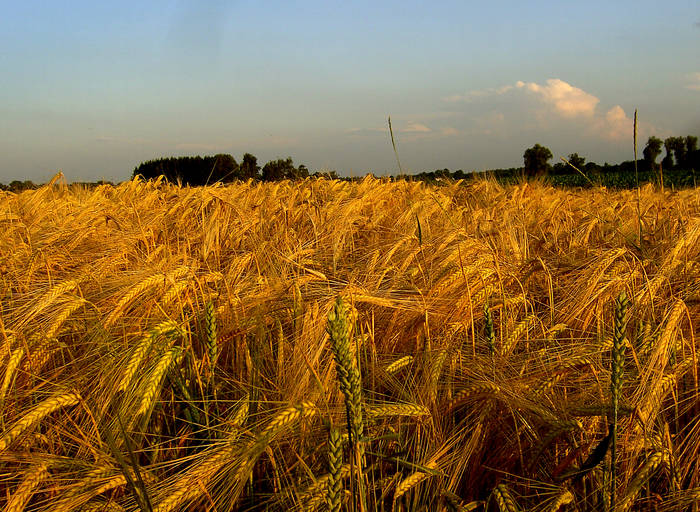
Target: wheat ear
(618, 354)
(564, 498)
(348, 373)
(335, 464)
(389, 410)
(63, 316)
(133, 292)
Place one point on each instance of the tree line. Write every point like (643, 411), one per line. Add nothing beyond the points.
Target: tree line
(678, 167)
(199, 171)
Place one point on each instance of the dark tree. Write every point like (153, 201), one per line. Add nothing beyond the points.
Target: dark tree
(300, 172)
(329, 175)
(536, 160)
(576, 160)
(188, 170)
(667, 162)
(677, 147)
(225, 169)
(249, 168)
(279, 169)
(691, 147)
(652, 151)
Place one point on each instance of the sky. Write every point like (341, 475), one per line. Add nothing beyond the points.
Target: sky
(94, 88)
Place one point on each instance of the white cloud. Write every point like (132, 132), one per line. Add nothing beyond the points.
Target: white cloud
(480, 93)
(617, 125)
(414, 127)
(531, 106)
(694, 84)
(448, 131)
(567, 100)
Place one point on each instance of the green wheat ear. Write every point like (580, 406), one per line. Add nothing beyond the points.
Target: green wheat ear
(349, 381)
(335, 462)
(618, 354)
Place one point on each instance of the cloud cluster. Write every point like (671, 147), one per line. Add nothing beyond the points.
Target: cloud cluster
(694, 82)
(564, 98)
(553, 110)
(553, 102)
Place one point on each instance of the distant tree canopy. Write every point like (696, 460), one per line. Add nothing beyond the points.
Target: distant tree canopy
(681, 155)
(283, 169)
(536, 160)
(249, 168)
(198, 170)
(191, 170)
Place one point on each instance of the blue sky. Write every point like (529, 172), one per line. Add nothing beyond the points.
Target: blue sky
(94, 88)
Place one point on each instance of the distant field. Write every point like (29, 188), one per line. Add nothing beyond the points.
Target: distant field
(327, 345)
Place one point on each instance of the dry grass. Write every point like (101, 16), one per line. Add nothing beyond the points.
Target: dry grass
(182, 349)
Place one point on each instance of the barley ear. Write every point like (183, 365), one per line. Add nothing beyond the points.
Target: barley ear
(22, 495)
(15, 358)
(153, 384)
(489, 332)
(504, 500)
(212, 341)
(639, 479)
(34, 416)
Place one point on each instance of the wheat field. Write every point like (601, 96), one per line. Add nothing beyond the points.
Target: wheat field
(328, 345)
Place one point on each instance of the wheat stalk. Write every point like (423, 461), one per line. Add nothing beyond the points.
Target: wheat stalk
(192, 482)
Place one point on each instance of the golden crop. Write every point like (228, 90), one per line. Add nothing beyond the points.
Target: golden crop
(327, 345)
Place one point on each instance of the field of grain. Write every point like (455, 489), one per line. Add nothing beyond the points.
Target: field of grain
(327, 345)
